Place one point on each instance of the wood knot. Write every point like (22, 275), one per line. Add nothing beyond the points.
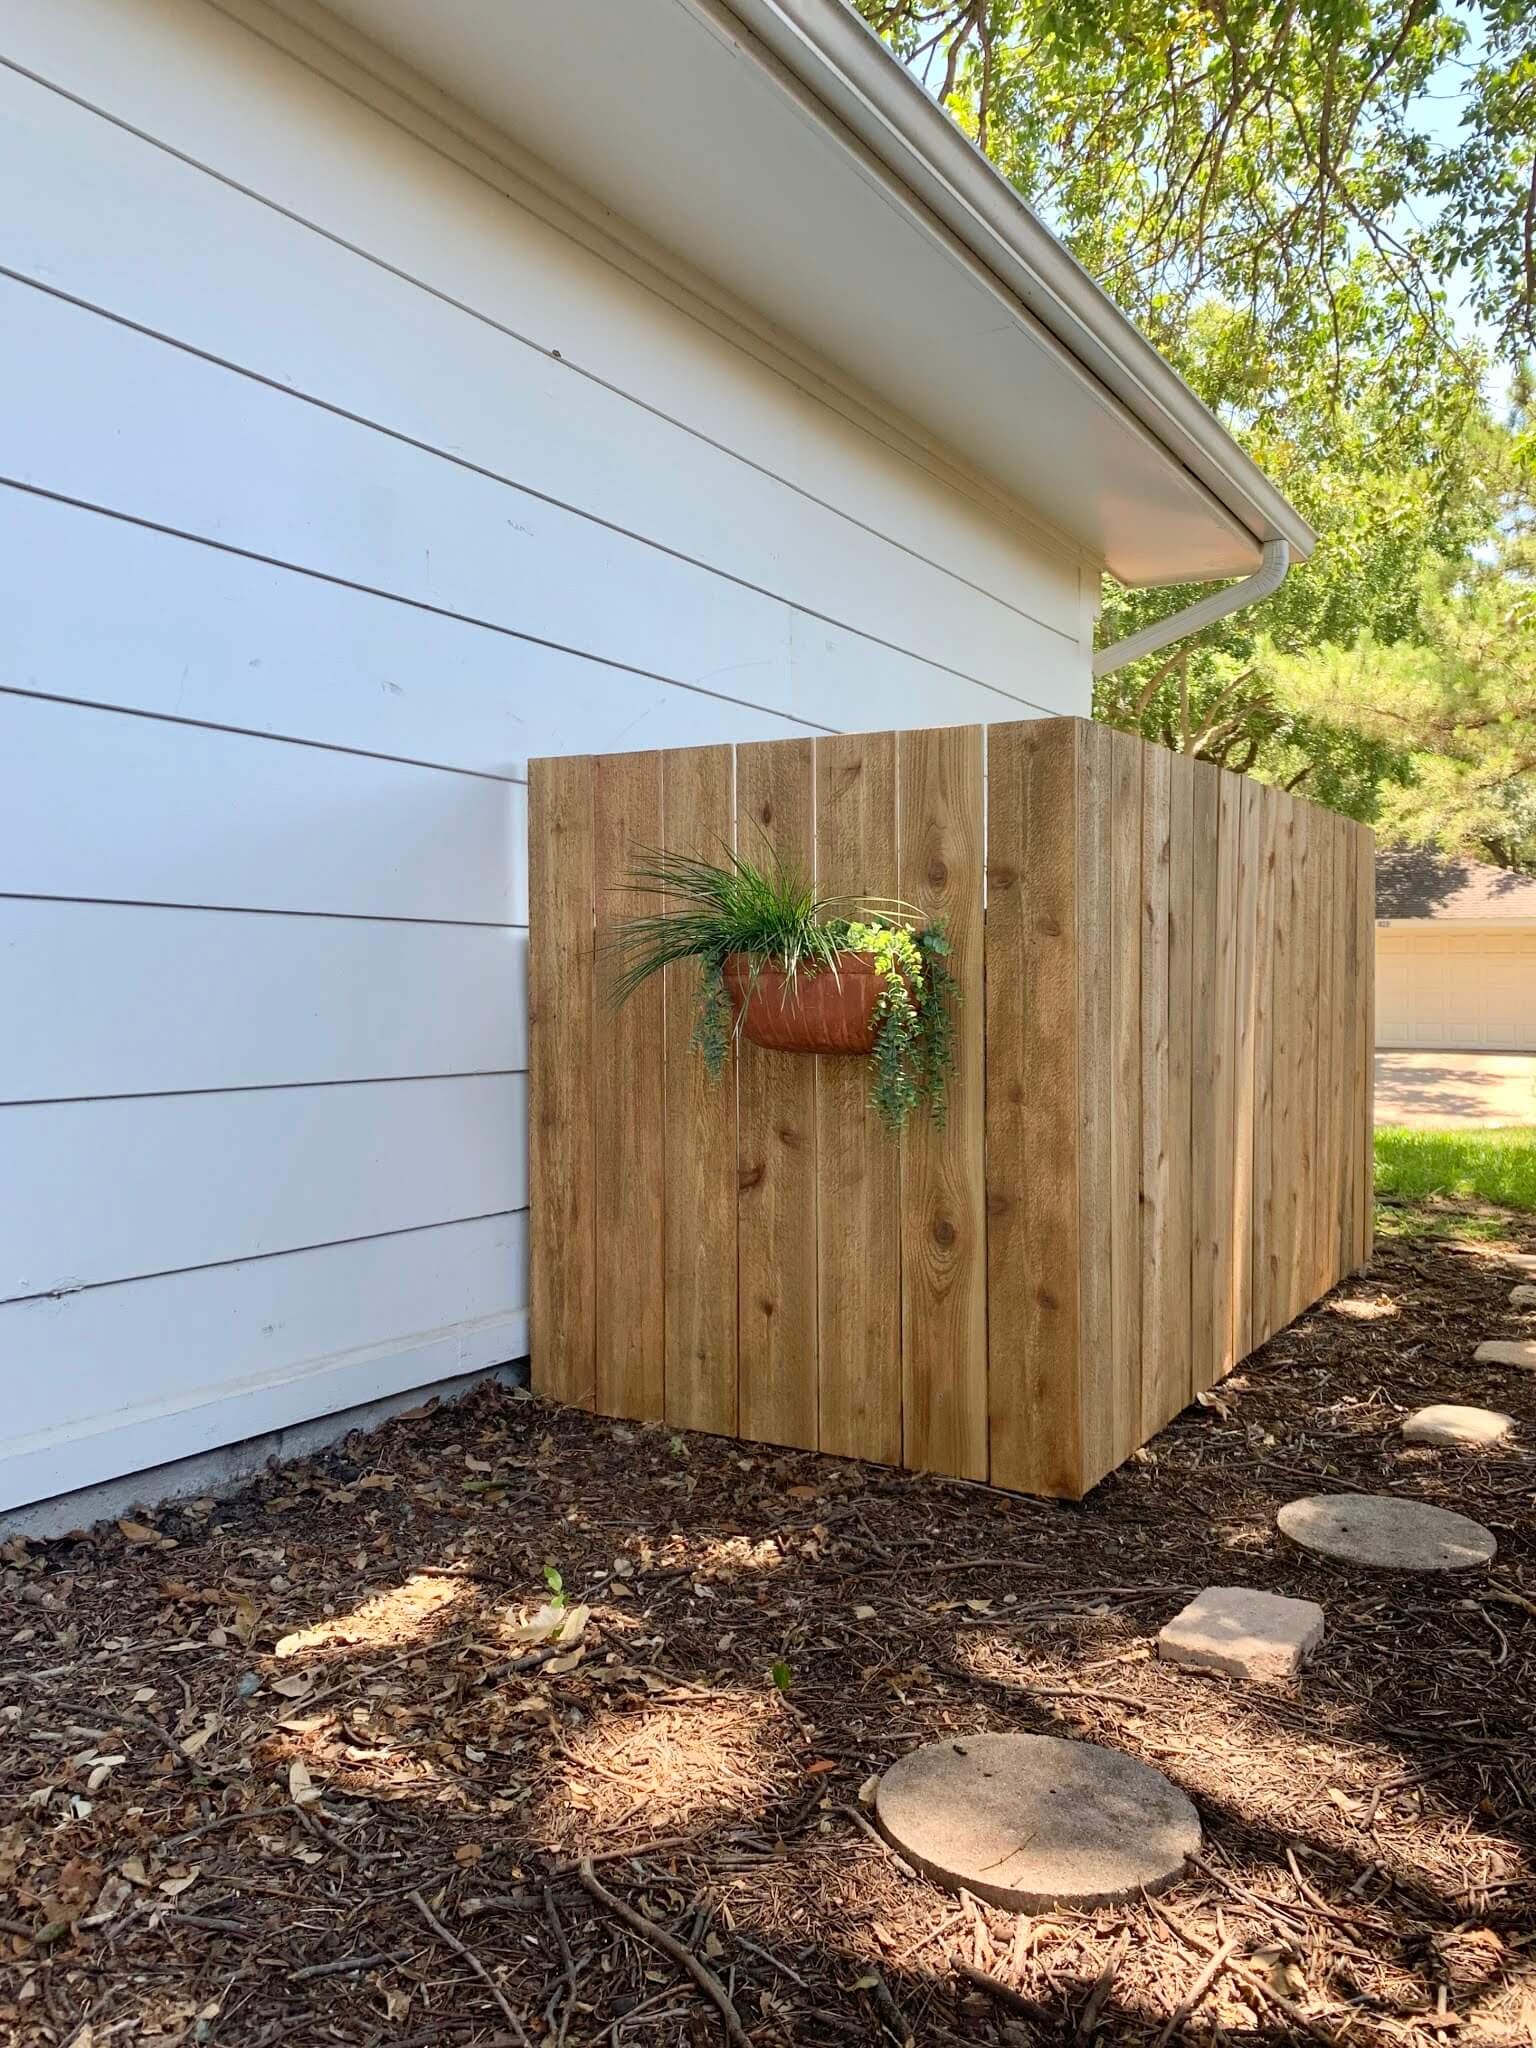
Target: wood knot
(749, 1177)
(1048, 927)
(938, 873)
(943, 1232)
(999, 877)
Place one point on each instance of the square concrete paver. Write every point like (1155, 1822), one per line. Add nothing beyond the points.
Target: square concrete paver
(1243, 1633)
(1505, 1351)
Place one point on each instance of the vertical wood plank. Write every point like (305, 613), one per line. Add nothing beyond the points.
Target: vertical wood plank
(1032, 1101)
(1282, 1070)
(1126, 756)
(560, 948)
(1264, 1065)
(1343, 902)
(858, 1166)
(1178, 1274)
(1160, 1379)
(1245, 1028)
(628, 1112)
(1210, 1185)
(944, 1310)
(1303, 1058)
(1098, 1382)
(699, 1135)
(1008, 1109)
(1365, 908)
(777, 1382)
(1349, 1056)
(1319, 1208)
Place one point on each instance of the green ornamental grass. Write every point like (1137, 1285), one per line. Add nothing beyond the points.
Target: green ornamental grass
(769, 912)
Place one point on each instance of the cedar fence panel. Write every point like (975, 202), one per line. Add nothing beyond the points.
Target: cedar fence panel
(1158, 1146)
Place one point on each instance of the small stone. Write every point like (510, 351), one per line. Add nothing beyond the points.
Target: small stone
(1029, 1822)
(1243, 1633)
(1445, 1423)
(1390, 1534)
(1505, 1351)
(1523, 1296)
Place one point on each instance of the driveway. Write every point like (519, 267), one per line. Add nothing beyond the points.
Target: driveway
(1455, 1089)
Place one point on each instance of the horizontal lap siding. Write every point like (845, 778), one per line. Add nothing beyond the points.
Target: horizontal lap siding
(210, 1348)
(281, 1001)
(97, 1191)
(276, 674)
(163, 68)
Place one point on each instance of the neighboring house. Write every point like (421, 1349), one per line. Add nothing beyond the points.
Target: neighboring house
(397, 392)
(1455, 953)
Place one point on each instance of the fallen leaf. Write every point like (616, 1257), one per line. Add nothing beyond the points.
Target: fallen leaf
(292, 1688)
(864, 1614)
(139, 1532)
(301, 1787)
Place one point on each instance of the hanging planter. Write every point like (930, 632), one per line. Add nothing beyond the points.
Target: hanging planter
(834, 1011)
(795, 973)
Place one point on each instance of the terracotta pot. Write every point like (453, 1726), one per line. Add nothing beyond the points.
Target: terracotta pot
(825, 1012)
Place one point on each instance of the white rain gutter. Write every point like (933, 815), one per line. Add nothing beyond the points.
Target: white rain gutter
(1205, 611)
(838, 58)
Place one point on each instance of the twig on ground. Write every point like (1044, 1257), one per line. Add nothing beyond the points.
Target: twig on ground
(459, 1948)
(1015, 2001)
(345, 1963)
(658, 1938)
(1094, 2004)
(1250, 1979)
(1202, 1983)
(552, 1914)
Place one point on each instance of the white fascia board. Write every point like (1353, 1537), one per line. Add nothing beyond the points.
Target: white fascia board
(833, 52)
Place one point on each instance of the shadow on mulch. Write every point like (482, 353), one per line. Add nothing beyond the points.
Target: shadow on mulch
(302, 1765)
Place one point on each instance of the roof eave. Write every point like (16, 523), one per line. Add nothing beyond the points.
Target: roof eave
(842, 63)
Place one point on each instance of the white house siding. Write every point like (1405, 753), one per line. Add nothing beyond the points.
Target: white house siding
(337, 483)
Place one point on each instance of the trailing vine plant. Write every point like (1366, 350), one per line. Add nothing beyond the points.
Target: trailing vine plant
(769, 914)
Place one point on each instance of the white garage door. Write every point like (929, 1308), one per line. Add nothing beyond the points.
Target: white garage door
(1456, 989)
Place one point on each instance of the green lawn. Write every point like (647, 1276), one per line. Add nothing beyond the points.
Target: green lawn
(1493, 1167)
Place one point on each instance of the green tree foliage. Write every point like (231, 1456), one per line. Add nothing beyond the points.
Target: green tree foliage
(1259, 188)
(1273, 157)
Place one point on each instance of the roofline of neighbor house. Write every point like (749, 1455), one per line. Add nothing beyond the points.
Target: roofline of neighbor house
(840, 61)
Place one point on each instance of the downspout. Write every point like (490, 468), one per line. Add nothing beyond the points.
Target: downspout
(1205, 611)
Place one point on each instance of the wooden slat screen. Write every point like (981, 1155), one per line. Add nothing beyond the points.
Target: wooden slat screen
(1157, 1151)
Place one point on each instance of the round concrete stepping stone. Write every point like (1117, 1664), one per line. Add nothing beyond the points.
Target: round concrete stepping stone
(1394, 1535)
(1470, 1428)
(1523, 1296)
(1030, 1821)
(1503, 1351)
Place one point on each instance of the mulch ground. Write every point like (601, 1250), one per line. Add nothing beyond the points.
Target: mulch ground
(310, 1765)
